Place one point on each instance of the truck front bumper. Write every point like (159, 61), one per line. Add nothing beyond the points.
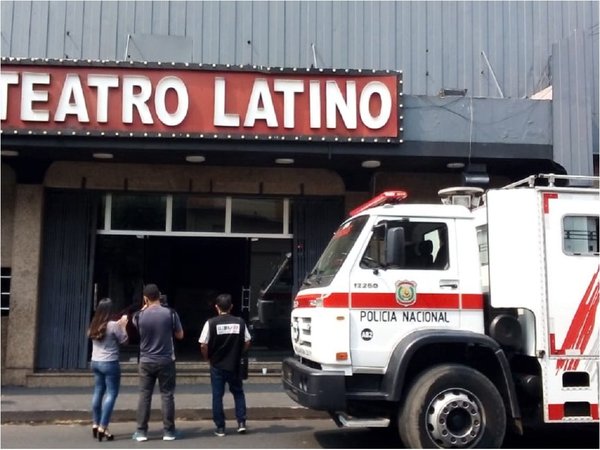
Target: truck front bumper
(313, 388)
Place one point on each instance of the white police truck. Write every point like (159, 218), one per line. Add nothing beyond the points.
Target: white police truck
(455, 321)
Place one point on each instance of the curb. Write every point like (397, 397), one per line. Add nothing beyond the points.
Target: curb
(186, 414)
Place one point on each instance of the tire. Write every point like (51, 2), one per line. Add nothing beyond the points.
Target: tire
(452, 406)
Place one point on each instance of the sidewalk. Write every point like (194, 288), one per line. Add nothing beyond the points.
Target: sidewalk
(265, 400)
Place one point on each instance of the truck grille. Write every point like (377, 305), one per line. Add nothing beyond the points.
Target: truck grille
(301, 331)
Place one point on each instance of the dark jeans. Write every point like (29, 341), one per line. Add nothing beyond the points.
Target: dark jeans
(165, 374)
(218, 378)
(107, 379)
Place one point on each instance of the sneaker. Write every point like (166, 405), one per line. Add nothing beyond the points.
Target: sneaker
(139, 436)
(170, 436)
(220, 432)
(241, 427)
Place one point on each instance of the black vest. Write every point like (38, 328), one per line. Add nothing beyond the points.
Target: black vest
(226, 341)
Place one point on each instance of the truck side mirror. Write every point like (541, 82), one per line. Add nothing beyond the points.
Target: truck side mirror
(395, 254)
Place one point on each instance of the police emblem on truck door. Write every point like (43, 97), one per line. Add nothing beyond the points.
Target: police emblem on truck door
(406, 292)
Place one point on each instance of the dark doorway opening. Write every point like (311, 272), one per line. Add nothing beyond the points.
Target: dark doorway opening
(189, 271)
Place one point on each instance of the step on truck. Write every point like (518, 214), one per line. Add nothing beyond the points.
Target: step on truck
(455, 322)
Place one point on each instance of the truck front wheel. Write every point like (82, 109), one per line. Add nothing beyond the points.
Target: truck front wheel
(452, 406)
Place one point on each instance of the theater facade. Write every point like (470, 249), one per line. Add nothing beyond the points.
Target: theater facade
(207, 178)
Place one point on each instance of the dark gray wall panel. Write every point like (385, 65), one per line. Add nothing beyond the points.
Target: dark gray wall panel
(209, 29)
(21, 29)
(276, 34)
(161, 16)
(74, 31)
(572, 104)
(144, 47)
(6, 22)
(292, 26)
(39, 22)
(109, 31)
(56, 32)
(92, 20)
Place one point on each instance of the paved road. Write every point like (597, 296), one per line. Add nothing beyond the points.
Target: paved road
(311, 433)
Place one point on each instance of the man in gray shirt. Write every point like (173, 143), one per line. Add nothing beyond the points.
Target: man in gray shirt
(157, 325)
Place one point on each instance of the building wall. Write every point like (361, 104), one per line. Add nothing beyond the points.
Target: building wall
(195, 179)
(24, 298)
(490, 48)
(437, 44)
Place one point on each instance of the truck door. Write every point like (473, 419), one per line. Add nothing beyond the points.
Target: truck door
(571, 242)
(571, 254)
(389, 301)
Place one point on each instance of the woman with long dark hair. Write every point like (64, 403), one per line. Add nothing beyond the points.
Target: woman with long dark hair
(106, 336)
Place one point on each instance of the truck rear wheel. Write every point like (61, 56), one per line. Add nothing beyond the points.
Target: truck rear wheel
(452, 406)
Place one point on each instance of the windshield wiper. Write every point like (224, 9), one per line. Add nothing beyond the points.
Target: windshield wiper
(313, 277)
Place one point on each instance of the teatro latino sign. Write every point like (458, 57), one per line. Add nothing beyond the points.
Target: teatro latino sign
(92, 98)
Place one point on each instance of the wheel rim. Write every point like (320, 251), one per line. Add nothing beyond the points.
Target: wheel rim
(454, 419)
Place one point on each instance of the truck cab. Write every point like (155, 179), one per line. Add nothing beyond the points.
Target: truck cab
(417, 317)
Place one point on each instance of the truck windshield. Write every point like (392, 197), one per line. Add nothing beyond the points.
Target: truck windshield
(335, 254)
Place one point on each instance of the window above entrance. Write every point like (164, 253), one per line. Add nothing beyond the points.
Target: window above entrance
(138, 212)
(256, 215)
(199, 213)
(194, 215)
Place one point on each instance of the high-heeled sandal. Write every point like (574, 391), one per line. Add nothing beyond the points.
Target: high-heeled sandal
(105, 434)
(95, 431)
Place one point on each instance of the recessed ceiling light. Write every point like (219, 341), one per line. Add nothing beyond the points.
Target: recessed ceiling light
(195, 158)
(9, 153)
(103, 155)
(284, 161)
(371, 164)
(455, 165)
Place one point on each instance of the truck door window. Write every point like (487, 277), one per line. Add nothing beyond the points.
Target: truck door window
(580, 235)
(425, 247)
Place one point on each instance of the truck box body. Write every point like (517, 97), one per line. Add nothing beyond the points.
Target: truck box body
(554, 275)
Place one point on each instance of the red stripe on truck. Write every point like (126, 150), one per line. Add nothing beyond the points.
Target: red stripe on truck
(386, 300)
(582, 325)
(557, 411)
(547, 196)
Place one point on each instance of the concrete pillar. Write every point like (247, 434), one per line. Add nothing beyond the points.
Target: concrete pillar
(25, 283)
(7, 205)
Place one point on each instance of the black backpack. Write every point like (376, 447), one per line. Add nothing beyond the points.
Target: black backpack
(133, 333)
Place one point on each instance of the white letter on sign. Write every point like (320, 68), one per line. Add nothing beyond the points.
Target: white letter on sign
(182, 101)
(71, 90)
(138, 100)
(260, 93)
(335, 101)
(289, 89)
(315, 104)
(221, 118)
(6, 78)
(375, 87)
(28, 96)
(102, 83)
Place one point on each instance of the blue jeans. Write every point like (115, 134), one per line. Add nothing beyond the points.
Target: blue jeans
(165, 373)
(107, 378)
(218, 378)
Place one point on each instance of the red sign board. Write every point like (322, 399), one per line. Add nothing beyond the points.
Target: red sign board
(185, 100)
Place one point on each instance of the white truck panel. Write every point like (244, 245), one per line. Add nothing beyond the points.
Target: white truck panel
(516, 255)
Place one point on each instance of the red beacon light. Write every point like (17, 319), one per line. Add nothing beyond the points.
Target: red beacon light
(385, 198)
